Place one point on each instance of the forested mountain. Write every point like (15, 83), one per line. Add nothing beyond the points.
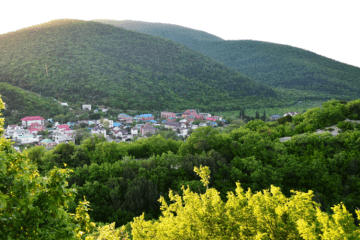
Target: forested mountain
(272, 64)
(21, 103)
(186, 36)
(80, 61)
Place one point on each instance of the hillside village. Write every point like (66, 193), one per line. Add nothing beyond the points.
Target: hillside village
(36, 130)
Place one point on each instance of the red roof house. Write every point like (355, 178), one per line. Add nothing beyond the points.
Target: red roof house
(27, 121)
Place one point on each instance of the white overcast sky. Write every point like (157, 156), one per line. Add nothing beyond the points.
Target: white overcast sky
(329, 28)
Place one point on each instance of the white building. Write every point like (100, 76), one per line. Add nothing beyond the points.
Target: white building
(27, 121)
(86, 107)
(134, 131)
(27, 139)
(98, 130)
(205, 115)
(12, 128)
(64, 104)
(63, 138)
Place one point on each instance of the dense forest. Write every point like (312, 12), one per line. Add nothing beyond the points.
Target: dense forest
(275, 65)
(88, 62)
(125, 180)
(21, 103)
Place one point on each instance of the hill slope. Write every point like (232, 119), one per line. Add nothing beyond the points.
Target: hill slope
(81, 61)
(186, 36)
(272, 64)
(20, 103)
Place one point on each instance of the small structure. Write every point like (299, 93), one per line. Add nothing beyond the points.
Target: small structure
(86, 107)
(205, 115)
(147, 128)
(275, 117)
(134, 131)
(47, 143)
(64, 104)
(144, 117)
(167, 115)
(98, 130)
(63, 138)
(11, 128)
(27, 121)
(290, 113)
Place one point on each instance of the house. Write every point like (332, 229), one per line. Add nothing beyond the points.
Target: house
(116, 124)
(63, 127)
(47, 143)
(202, 125)
(193, 127)
(167, 115)
(217, 118)
(290, 113)
(61, 137)
(125, 118)
(151, 121)
(96, 111)
(205, 115)
(98, 130)
(213, 124)
(123, 133)
(189, 112)
(64, 104)
(104, 109)
(171, 119)
(134, 131)
(144, 117)
(27, 121)
(147, 128)
(116, 133)
(183, 132)
(86, 107)
(21, 132)
(183, 121)
(35, 128)
(24, 139)
(11, 128)
(172, 124)
(211, 119)
(275, 117)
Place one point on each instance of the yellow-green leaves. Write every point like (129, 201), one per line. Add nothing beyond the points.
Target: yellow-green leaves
(204, 173)
(263, 215)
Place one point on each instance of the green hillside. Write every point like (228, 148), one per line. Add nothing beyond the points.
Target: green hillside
(187, 36)
(287, 67)
(21, 103)
(276, 65)
(79, 61)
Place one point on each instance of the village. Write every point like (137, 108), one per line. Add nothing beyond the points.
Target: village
(36, 130)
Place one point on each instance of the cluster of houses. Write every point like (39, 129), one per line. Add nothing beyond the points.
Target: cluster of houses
(29, 130)
(121, 130)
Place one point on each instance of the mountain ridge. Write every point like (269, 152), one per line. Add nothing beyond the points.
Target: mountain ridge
(278, 65)
(85, 61)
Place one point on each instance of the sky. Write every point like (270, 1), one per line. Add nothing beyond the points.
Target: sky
(328, 28)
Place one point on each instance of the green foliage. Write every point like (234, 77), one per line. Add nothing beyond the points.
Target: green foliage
(290, 69)
(344, 126)
(287, 118)
(267, 214)
(89, 62)
(21, 103)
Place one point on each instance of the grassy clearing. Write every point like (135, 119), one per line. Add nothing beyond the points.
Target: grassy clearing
(300, 107)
